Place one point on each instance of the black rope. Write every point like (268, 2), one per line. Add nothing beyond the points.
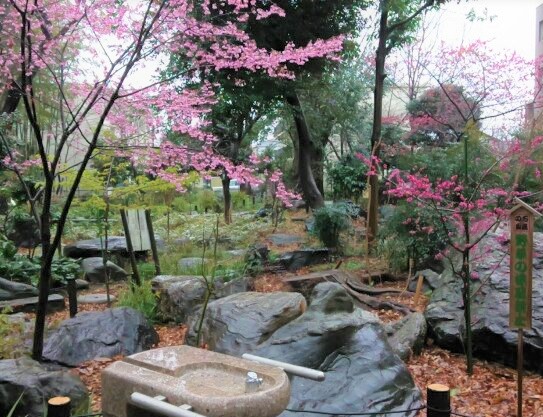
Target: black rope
(89, 415)
(329, 413)
(460, 415)
(448, 411)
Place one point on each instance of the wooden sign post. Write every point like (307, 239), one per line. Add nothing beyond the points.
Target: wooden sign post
(520, 286)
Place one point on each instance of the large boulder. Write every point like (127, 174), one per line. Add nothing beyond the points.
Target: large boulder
(237, 323)
(11, 290)
(430, 280)
(179, 296)
(297, 259)
(37, 384)
(407, 336)
(99, 334)
(364, 375)
(345, 342)
(93, 247)
(492, 337)
(95, 272)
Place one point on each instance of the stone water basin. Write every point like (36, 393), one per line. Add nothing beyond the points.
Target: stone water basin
(212, 383)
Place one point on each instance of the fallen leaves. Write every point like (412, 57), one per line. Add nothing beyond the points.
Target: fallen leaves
(490, 392)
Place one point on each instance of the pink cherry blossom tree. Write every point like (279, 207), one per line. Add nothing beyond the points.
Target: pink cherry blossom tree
(92, 50)
(474, 200)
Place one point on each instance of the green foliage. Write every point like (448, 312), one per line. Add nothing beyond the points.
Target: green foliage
(394, 251)
(11, 334)
(25, 269)
(330, 222)
(241, 200)
(147, 270)
(347, 177)
(207, 200)
(140, 298)
(181, 205)
(411, 232)
(17, 267)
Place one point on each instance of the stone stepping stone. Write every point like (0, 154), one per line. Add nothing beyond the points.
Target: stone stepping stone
(191, 263)
(95, 298)
(281, 239)
(28, 305)
(236, 252)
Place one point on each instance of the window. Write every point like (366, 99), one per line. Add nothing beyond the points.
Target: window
(540, 33)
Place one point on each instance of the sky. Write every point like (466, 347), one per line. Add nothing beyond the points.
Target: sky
(513, 24)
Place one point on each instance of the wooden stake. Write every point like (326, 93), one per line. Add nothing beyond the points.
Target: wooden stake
(153, 240)
(520, 370)
(419, 288)
(59, 407)
(438, 400)
(72, 296)
(135, 272)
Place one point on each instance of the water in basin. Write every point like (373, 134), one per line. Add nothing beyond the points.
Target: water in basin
(218, 381)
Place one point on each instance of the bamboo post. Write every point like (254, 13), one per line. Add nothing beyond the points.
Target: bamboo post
(72, 296)
(438, 399)
(153, 241)
(135, 272)
(419, 288)
(59, 407)
(520, 370)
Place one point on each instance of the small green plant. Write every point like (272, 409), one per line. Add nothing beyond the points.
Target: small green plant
(181, 205)
(11, 334)
(394, 251)
(330, 222)
(207, 200)
(64, 268)
(147, 270)
(240, 200)
(140, 298)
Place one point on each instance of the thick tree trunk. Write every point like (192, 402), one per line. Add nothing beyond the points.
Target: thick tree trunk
(317, 166)
(373, 202)
(45, 271)
(227, 198)
(312, 195)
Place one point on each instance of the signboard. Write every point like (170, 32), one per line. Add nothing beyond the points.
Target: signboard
(520, 288)
(139, 231)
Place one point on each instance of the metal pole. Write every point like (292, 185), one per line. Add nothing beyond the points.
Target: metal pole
(288, 368)
(520, 370)
(153, 405)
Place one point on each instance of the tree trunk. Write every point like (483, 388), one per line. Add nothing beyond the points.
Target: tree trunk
(312, 195)
(373, 202)
(317, 165)
(227, 198)
(45, 271)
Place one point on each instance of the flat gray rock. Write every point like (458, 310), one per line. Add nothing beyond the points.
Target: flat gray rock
(191, 263)
(11, 290)
(95, 298)
(283, 239)
(55, 302)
